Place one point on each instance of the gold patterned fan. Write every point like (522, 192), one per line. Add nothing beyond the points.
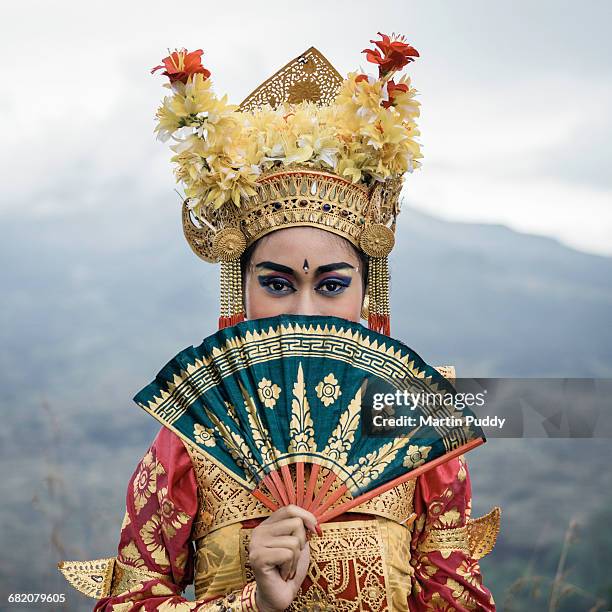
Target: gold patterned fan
(281, 405)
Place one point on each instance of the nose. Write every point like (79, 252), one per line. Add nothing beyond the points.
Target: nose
(305, 303)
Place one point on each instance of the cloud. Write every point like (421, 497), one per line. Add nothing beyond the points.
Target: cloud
(514, 120)
(577, 215)
(519, 153)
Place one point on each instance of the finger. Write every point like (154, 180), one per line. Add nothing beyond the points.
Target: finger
(277, 515)
(290, 533)
(290, 542)
(292, 511)
(302, 565)
(292, 526)
(285, 527)
(269, 558)
(310, 520)
(284, 568)
(294, 563)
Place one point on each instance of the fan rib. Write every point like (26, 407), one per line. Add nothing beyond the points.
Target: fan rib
(288, 481)
(272, 488)
(332, 499)
(283, 497)
(300, 483)
(265, 500)
(322, 492)
(312, 482)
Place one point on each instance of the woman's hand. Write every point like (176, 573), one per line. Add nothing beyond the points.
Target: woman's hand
(279, 556)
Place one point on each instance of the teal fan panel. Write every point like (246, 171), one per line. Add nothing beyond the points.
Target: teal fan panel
(298, 388)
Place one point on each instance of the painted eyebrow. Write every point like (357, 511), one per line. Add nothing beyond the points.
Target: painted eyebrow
(340, 265)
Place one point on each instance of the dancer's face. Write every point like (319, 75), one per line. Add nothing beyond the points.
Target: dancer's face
(303, 270)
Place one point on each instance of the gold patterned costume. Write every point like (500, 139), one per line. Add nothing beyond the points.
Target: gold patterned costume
(414, 547)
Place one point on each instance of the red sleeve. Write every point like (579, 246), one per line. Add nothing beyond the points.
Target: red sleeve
(155, 560)
(447, 574)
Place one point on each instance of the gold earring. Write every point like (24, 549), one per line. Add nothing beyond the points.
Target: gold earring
(365, 307)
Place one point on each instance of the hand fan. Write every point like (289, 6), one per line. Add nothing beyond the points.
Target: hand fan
(281, 405)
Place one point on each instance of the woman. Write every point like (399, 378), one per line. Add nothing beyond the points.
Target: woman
(290, 248)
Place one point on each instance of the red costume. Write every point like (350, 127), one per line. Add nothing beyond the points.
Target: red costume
(369, 560)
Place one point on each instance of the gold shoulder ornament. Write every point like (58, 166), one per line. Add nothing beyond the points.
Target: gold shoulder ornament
(476, 538)
(100, 578)
(92, 578)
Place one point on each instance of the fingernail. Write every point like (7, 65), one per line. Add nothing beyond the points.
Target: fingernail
(293, 573)
(319, 530)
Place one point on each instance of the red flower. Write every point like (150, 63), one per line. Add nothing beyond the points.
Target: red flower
(361, 77)
(392, 88)
(180, 65)
(395, 54)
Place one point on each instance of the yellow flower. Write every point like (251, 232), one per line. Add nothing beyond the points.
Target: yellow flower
(189, 100)
(171, 518)
(145, 481)
(317, 147)
(268, 392)
(328, 390)
(415, 456)
(469, 570)
(361, 98)
(130, 555)
(151, 534)
(405, 104)
(220, 152)
(203, 435)
(451, 518)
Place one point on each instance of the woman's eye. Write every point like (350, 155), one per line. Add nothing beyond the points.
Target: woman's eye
(333, 286)
(280, 286)
(276, 285)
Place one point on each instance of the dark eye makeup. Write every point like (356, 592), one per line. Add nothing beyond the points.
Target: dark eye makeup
(279, 285)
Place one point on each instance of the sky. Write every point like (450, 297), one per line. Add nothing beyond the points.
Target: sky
(515, 100)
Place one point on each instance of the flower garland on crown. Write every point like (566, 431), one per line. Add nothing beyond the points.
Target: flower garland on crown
(366, 135)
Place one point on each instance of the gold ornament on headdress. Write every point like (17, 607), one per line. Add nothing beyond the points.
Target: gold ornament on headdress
(350, 187)
(308, 77)
(376, 241)
(228, 244)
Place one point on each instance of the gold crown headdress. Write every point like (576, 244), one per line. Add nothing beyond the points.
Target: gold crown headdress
(305, 148)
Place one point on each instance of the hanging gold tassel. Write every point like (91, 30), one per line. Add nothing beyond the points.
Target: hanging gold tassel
(232, 307)
(377, 241)
(228, 245)
(379, 316)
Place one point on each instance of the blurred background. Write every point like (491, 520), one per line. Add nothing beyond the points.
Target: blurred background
(503, 265)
